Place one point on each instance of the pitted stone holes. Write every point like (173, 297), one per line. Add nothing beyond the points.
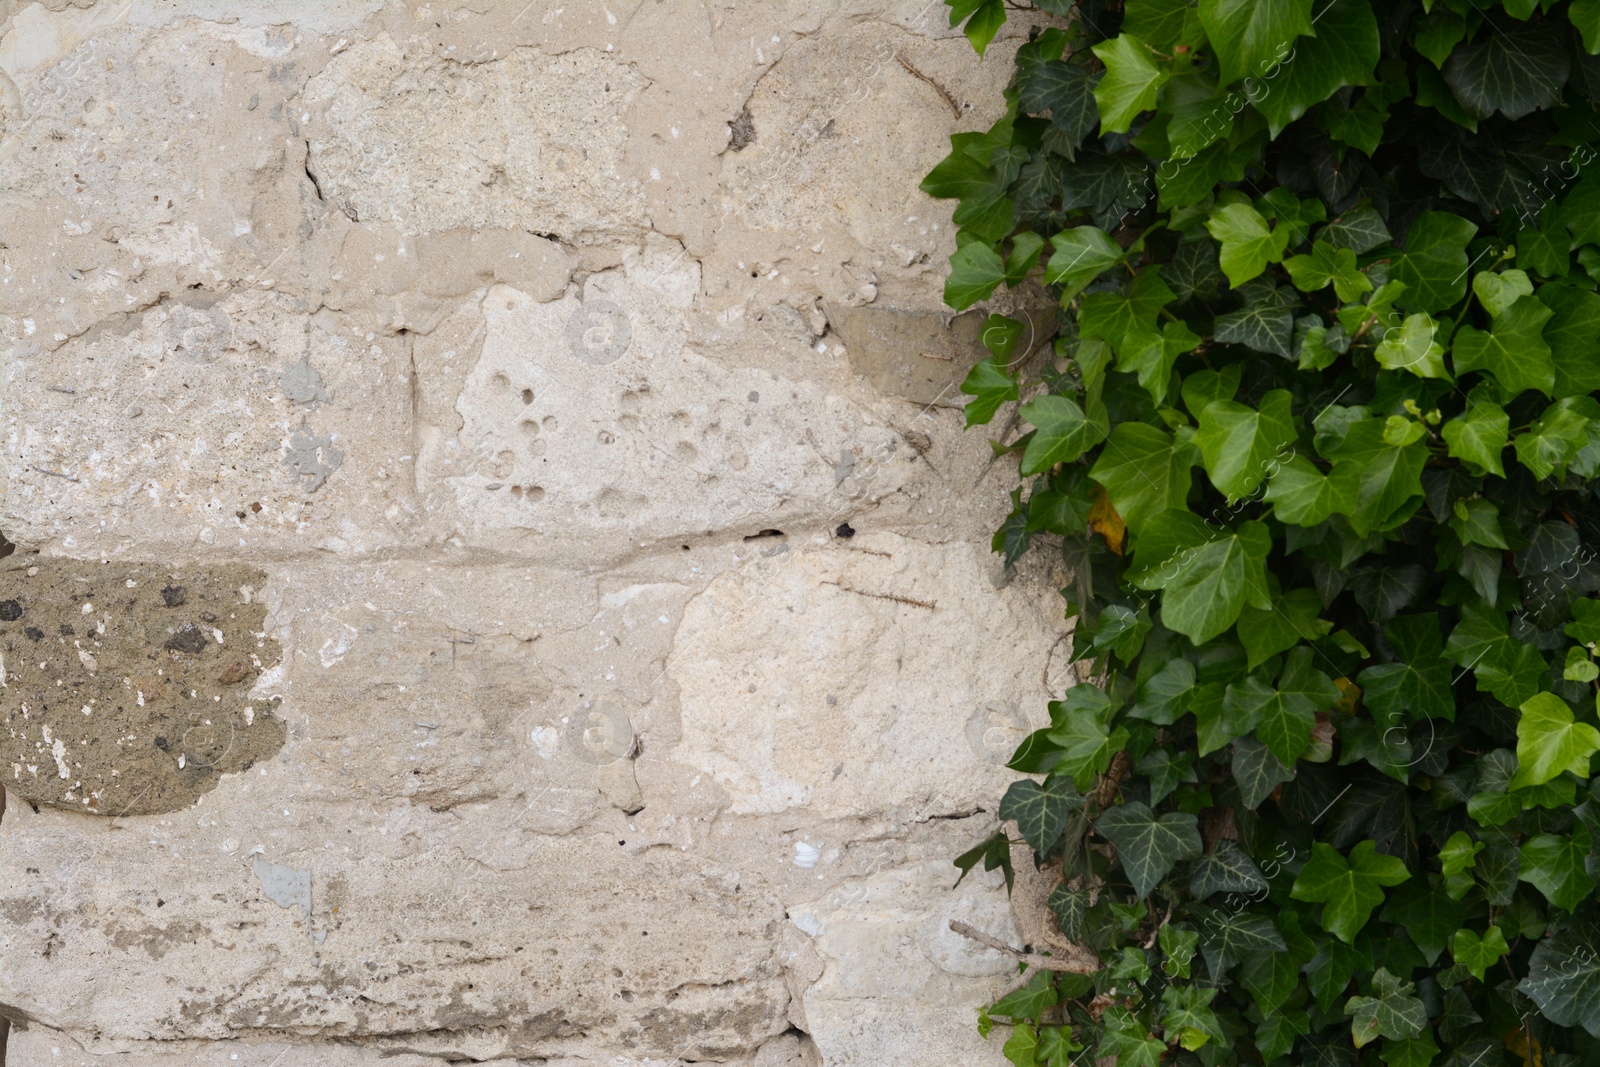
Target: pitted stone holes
(599, 331)
(599, 733)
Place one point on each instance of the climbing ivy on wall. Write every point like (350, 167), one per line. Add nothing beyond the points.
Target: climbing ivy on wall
(1318, 437)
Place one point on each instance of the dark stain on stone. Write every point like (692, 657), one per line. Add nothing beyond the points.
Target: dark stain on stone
(10, 611)
(189, 638)
(129, 711)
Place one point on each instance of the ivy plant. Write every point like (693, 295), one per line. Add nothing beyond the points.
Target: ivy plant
(1318, 438)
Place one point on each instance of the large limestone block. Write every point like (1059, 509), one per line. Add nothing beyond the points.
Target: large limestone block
(439, 686)
(898, 984)
(245, 424)
(875, 677)
(816, 175)
(429, 143)
(590, 417)
(118, 929)
(135, 165)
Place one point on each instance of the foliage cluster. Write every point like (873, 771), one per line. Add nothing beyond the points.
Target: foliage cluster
(1318, 437)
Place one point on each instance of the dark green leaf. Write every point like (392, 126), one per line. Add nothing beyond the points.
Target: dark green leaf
(1392, 1012)
(1148, 845)
(1513, 73)
(1040, 812)
(1434, 267)
(1250, 39)
(1343, 52)
(1257, 771)
(1227, 869)
(1564, 974)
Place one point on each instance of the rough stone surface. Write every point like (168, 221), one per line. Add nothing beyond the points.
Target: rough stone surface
(551, 407)
(127, 688)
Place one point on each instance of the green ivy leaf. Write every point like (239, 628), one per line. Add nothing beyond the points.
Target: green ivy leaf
(1206, 595)
(1261, 327)
(983, 20)
(1479, 435)
(1416, 1051)
(994, 851)
(1413, 346)
(1248, 243)
(1062, 432)
(1149, 845)
(1226, 869)
(1250, 39)
(1056, 1045)
(1069, 906)
(1392, 1011)
(1559, 437)
(1438, 34)
(1477, 953)
(1361, 229)
(1130, 84)
(1161, 697)
(1303, 496)
(1283, 715)
(1126, 1040)
(1029, 1002)
(1151, 355)
(1347, 889)
(1238, 443)
(1386, 475)
(1292, 618)
(1187, 1015)
(1513, 350)
(1585, 14)
(1555, 865)
(1564, 975)
(1079, 255)
(1344, 52)
(1328, 263)
(1040, 812)
(1256, 771)
(1570, 333)
(1165, 771)
(990, 385)
(1228, 935)
(1428, 913)
(975, 270)
(1022, 1047)
(1145, 471)
(1419, 680)
(1497, 292)
(1434, 266)
(1178, 946)
(1087, 742)
(1513, 73)
(1550, 743)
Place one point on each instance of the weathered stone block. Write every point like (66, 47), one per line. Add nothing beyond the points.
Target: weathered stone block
(590, 417)
(244, 424)
(525, 140)
(848, 680)
(126, 687)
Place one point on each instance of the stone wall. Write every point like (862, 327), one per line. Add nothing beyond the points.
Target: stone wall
(499, 574)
